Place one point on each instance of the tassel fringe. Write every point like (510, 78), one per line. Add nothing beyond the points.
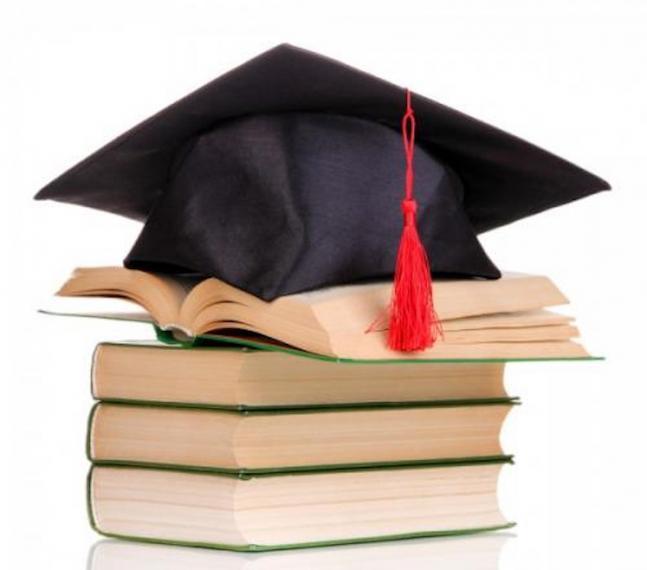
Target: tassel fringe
(413, 324)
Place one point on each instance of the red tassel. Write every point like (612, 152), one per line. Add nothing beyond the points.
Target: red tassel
(413, 324)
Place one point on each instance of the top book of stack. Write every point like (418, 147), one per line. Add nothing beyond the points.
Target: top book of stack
(503, 319)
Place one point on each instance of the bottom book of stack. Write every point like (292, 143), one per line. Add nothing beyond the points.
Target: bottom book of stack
(266, 469)
(276, 511)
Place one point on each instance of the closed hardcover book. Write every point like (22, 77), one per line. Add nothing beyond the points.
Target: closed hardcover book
(240, 378)
(257, 442)
(283, 511)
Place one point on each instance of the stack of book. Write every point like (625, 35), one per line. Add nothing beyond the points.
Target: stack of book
(288, 424)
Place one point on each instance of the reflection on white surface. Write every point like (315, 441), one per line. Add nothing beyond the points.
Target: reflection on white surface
(477, 552)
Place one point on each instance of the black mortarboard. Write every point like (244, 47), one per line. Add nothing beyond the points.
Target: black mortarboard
(286, 174)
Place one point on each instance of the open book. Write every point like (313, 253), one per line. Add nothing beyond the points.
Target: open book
(481, 319)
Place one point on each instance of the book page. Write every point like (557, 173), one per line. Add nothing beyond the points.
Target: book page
(160, 295)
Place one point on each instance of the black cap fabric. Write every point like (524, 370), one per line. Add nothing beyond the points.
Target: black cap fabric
(286, 174)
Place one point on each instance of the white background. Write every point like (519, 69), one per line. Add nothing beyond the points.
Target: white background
(569, 76)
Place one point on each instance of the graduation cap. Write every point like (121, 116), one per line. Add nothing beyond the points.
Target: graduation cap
(286, 174)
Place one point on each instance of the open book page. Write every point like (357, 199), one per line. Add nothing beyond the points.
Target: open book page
(299, 333)
(537, 318)
(373, 347)
(213, 300)
(511, 334)
(114, 308)
(161, 296)
(356, 308)
(214, 305)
